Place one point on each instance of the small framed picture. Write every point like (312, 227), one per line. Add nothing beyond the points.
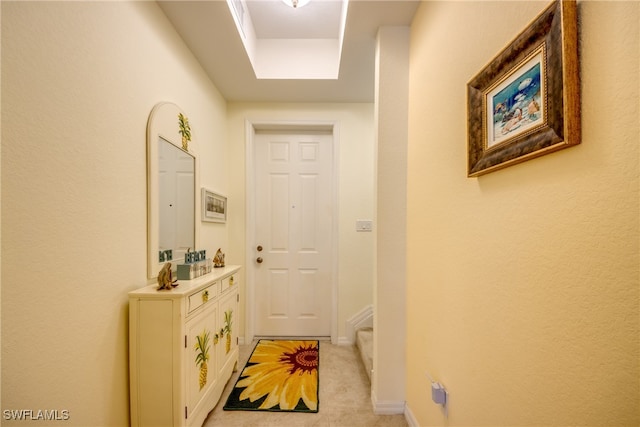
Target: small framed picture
(214, 206)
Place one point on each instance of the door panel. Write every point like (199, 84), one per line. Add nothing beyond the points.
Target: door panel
(294, 222)
(202, 372)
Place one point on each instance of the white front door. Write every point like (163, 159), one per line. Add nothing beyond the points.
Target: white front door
(293, 234)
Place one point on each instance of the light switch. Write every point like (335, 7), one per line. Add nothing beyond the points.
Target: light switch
(364, 225)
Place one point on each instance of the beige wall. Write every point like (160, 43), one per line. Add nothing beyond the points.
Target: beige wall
(523, 284)
(355, 188)
(79, 80)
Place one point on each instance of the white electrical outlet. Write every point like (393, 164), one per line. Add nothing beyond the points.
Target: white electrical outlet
(438, 394)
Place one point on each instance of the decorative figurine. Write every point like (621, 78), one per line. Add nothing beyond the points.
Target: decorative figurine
(218, 260)
(164, 278)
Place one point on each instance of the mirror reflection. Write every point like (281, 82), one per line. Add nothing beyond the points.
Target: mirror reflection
(172, 179)
(176, 201)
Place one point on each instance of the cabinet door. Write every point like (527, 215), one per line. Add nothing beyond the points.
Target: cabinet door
(154, 369)
(228, 323)
(200, 357)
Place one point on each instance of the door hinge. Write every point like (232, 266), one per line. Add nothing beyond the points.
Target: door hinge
(237, 297)
(185, 341)
(185, 413)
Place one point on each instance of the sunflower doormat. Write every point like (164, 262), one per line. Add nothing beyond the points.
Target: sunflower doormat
(280, 376)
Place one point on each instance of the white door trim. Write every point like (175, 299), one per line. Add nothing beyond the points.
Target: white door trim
(251, 126)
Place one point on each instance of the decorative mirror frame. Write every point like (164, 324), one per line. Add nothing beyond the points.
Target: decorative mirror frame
(164, 123)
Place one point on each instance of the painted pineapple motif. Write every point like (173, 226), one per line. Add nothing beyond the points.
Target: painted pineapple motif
(227, 328)
(202, 356)
(184, 130)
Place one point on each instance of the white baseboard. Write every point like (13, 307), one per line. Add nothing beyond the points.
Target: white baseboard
(344, 341)
(411, 419)
(387, 407)
(362, 319)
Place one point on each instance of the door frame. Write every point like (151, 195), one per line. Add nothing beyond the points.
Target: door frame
(251, 127)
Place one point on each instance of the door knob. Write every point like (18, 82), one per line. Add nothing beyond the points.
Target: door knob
(259, 260)
(259, 248)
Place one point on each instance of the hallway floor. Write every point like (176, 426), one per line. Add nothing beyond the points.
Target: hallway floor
(345, 397)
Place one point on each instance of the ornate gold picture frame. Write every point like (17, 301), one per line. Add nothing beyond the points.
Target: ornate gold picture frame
(526, 102)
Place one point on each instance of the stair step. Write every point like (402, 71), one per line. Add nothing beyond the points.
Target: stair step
(364, 343)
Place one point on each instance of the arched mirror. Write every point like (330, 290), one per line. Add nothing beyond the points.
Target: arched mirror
(172, 181)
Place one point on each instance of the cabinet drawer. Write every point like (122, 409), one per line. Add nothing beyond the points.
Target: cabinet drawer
(202, 297)
(228, 283)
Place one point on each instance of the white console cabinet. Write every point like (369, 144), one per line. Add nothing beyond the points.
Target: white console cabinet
(183, 348)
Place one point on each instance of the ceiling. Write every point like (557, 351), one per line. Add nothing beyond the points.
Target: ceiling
(209, 30)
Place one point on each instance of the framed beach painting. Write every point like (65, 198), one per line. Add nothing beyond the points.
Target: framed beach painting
(526, 101)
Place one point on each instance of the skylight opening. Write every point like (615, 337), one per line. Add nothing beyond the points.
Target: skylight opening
(292, 43)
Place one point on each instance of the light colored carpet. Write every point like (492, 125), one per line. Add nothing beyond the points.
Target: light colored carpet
(345, 397)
